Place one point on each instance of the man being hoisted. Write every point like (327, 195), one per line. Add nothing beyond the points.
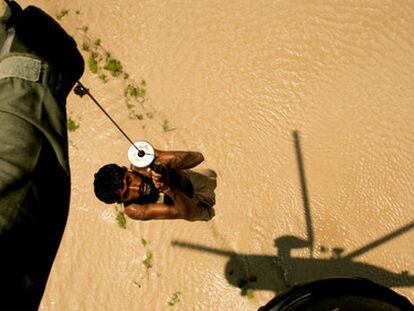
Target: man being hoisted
(167, 189)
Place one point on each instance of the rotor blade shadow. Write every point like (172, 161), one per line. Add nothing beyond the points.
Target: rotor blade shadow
(305, 196)
(378, 242)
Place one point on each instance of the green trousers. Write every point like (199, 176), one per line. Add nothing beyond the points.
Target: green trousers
(34, 168)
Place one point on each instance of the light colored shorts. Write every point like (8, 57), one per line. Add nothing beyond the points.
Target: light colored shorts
(204, 182)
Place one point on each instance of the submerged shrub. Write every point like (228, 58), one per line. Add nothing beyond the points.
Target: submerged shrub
(61, 14)
(121, 220)
(114, 66)
(92, 63)
(148, 260)
(71, 125)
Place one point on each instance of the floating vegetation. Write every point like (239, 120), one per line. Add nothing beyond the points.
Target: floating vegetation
(114, 66)
(103, 78)
(71, 125)
(249, 293)
(175, 298)
(131, 90)
(135, 93)
(166, 126)
(100, 61)
(92, 62)
(77, 12)
(120, 216)
(121, 220)
(62, 13)
(84, 29)
(142, 92)
(85, 47)
(244, 285)
(148, 260)
(144, 242)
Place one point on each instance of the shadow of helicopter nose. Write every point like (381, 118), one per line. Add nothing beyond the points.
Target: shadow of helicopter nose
(255, 272)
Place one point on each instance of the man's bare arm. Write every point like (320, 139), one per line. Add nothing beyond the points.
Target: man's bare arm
(178, 159)
(174, 160)
(183, 208)
(151, 211)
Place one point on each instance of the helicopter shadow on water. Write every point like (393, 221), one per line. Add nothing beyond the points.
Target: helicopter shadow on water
(281, 272)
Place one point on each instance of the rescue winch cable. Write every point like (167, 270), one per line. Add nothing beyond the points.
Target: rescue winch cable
(81, 90)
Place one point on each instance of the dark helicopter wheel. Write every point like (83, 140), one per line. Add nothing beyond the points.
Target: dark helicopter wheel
(339, 294)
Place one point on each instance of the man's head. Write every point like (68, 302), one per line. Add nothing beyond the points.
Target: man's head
(115, 184)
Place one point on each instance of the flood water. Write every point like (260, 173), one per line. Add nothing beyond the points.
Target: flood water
(305, 109)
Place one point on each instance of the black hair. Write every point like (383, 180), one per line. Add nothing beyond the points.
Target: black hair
(107, 181)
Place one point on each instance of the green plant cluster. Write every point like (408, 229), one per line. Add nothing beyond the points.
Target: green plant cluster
(62, 13)
(166, 126)
(175, 298)
(135, 94)
(103, 64)
(71, 124)
(93, 62)
(114, 66)
(244, 285)
(120, 216)
(148, 260)
(121, 220)
(100, 62)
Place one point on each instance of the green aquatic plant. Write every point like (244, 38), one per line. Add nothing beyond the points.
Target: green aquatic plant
(144, 242)
(100, 62)
(71, 125)
(121, 219)
(85, 46)
(62, 13)
(244, 285)
(103, 78)
(175, 298)
(92, 62)
(148, 260)
(250, 293)
(142, 92)
(166, 126)
(77, 12)
(131, 90)
(114, 66)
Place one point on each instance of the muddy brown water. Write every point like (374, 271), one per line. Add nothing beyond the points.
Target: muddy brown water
(236, 80)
